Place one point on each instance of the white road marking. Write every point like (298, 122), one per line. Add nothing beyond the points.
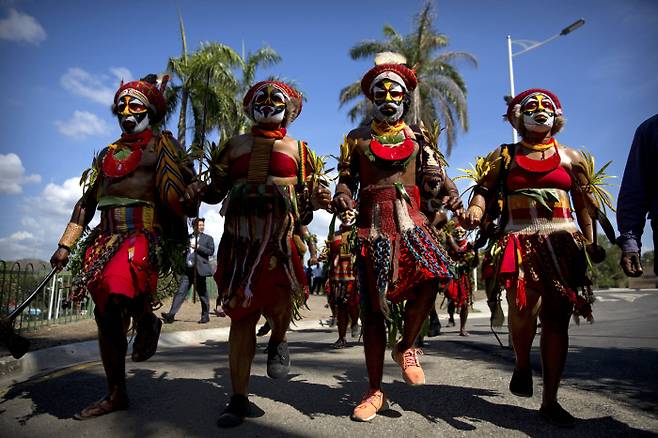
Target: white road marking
(628, 297)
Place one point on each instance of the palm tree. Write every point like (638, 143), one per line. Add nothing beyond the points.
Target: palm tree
(207, 86)
(212, 82)
(441, 92)
(263, 57)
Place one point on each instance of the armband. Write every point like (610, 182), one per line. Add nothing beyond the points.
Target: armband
(71, 235)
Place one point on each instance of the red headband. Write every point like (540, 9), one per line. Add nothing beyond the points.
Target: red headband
(519, 97)
(292, 94)
(407, 75)
(154, 96)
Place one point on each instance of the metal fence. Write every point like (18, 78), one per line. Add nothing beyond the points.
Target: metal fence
(18, 280)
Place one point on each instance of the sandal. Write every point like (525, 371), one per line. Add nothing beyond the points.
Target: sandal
(101, 407)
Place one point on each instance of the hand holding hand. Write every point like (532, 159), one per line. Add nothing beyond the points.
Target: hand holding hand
(342, 202)
(321, 198)
(596, 253)
(193, 193)
(472, 217)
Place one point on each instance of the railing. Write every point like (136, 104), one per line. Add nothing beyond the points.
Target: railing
(18, 280)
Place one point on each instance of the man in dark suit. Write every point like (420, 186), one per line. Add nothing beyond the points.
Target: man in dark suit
(201, 247)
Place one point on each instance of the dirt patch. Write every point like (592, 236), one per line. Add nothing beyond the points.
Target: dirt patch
(186, 320)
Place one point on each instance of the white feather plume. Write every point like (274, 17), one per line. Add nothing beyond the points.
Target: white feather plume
(389, 58)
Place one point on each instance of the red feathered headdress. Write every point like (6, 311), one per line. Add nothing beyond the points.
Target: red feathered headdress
(519, 98)
(150, 94)
(380, 71)
(294, 98)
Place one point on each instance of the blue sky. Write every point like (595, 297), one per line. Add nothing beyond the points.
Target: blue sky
(62, 61)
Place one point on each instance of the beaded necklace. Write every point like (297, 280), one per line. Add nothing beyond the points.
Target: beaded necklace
(124, 156)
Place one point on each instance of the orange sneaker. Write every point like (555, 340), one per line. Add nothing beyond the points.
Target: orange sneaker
(408, 360)
(373, 401)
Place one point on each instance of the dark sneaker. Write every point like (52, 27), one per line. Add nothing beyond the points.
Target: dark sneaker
(435, 328)
(521, 383)
(557, 415)
(205, 319)
(339, 344)
(264, 329)
(278, 359)
(167, 318)
(233, 415)
(146, 339)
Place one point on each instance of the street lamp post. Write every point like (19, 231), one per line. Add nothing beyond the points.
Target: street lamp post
(528, 46)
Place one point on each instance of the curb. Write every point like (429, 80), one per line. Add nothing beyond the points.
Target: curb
(48, 360)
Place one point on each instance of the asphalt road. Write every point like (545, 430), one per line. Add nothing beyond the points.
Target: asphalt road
(610, 385)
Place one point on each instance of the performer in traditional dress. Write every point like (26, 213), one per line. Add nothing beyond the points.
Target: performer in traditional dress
(342, 284)
(269, 185)
(136, 183)
(398, 172)
(460, 288)
(539, 256)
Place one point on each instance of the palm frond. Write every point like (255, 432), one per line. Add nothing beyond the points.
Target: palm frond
(479, 171)
(370, 48)
(596, 180)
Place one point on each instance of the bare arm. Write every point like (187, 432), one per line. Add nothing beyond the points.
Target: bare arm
(83, 213)
(583, 202)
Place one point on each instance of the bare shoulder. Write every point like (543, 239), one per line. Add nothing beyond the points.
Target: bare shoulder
(570, 157)
(360, 133)
(288, 145)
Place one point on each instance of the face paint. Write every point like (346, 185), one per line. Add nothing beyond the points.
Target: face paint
(269, 105)
(133, 115)
(538, 113)
(388, 99)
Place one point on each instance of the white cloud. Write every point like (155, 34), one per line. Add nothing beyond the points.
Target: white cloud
(12, 174)
(122, 74)
(82, 124)
(22, 235)
(21, 27)
(44, 220)
(214, 222)
(98, 88)
(320, 225)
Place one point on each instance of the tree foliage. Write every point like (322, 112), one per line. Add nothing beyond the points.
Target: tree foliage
(441, 92)
(608, 273)
(209, 86)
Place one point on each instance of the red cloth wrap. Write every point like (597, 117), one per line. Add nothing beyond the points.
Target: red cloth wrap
(265, 284)
(557, 178)
(459, 290)
(554, 264)
(281, 165)
(384, 197)
(406, 270)
(127, 273)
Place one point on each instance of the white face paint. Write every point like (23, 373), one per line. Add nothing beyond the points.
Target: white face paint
(388, 99)
(538, 113)
(133, 115)
(269, 105)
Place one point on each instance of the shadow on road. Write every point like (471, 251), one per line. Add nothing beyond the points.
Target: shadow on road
(626, 374)
(190, 406)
